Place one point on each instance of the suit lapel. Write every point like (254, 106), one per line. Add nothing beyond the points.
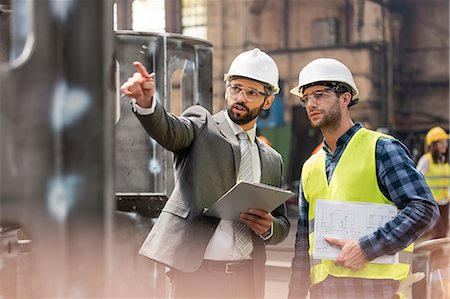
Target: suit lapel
(265, 162)
(227, 132)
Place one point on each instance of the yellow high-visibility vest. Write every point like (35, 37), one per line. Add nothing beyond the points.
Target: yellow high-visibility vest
(438, 178)
(354, 179)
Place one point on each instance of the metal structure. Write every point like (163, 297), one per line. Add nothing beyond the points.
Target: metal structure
(144, 174)
(432, 257)
(183, 77)
(80, 186)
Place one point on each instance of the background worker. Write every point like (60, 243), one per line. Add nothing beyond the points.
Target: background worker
(356, 165)
(209, 257)
(434, 165)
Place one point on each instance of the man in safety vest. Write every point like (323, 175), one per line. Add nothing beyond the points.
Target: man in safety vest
(434, 165)
(354, 165)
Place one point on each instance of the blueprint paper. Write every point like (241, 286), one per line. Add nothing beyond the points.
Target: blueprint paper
(348, 221)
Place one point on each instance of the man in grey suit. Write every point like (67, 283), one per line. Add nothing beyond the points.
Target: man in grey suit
(205, 258)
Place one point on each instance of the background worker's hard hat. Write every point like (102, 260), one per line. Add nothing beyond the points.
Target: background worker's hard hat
(435, 134)
(256, 65)
(325, 70)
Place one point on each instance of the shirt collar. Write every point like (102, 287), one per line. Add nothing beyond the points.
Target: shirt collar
(345, 138)
(236, 129)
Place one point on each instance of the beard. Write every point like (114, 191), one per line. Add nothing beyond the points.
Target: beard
(331, 119)
(246, 116)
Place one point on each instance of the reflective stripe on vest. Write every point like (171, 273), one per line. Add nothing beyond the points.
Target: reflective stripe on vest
(438, 178)
(354, 179)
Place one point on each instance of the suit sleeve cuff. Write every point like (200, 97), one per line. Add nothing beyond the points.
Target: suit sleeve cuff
(143, 111)
(268, 234)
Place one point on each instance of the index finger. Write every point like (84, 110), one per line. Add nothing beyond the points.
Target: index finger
(141, 69)
(336, 242)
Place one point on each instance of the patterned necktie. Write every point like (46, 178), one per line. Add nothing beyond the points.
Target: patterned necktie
(242, 234)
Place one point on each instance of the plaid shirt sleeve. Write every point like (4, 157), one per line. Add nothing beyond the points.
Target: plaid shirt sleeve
(300, 278)
(405, 186)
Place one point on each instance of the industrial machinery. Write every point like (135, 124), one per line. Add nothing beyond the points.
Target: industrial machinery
(80, 181)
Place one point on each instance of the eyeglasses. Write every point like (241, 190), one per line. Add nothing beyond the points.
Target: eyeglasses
(250, 94)
(317, 96)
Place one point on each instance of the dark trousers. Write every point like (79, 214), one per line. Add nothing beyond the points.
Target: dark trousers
(214, 280)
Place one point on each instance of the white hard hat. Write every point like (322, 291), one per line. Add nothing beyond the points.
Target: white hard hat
(256, 65)
(325, 70)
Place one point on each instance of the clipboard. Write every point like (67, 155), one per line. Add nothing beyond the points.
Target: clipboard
(245, 195)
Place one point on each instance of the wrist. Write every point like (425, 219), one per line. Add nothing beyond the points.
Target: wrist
(145, 103)
(268, 234)
(137, 108)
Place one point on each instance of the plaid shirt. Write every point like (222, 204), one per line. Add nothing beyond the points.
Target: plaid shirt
(400, 181)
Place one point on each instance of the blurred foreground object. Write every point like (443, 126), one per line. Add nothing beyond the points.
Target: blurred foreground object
(432, 257)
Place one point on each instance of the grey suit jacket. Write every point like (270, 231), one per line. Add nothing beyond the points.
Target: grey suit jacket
(206, 165)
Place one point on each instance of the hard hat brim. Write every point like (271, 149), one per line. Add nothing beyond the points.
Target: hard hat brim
(296, 91)
(440, 138)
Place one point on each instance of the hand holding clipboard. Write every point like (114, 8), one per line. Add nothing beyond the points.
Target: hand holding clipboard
(244, 196)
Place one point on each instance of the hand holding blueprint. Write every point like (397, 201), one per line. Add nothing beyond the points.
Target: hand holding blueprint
(348, 221)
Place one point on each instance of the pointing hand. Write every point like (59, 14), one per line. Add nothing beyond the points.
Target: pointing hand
(140, 86)
(351, 255)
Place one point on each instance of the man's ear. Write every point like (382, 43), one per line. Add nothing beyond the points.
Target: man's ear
(346, 98)
(269, 101)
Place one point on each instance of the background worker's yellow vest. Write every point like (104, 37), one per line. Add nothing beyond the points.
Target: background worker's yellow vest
(438, 178)
(354, 179)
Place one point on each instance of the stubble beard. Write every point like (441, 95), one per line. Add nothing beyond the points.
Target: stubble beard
(244, 119)
(331, 119)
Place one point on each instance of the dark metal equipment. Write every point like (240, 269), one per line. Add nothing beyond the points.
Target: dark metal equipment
(81, 183)
(56, 154)
(183, 77)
